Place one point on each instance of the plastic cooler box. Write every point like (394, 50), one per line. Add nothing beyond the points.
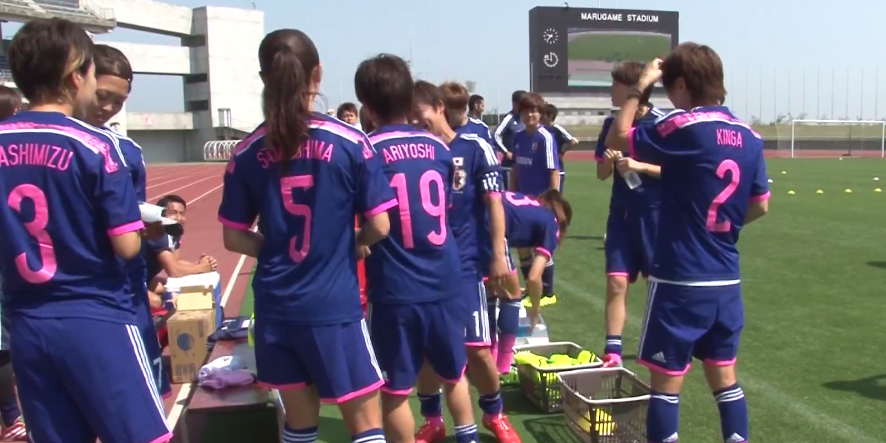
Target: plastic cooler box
(605, 405)
(540, 385)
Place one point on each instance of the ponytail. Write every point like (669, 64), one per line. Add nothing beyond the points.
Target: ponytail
(553, 200)
(286, 108)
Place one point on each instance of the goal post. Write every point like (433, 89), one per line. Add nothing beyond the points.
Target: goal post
(838, 138)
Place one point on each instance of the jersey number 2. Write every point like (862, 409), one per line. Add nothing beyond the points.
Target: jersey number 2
(438, 211)
(286, 186)
(734, 176)
(37, 229)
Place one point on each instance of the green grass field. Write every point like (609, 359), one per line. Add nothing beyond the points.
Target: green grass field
(771, 132)
(814, 272)
(615, 47)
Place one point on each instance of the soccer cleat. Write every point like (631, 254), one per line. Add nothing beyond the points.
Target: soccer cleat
(430, 433)
(546, 300)
(16, 432)
(611, 361)
(501, 428)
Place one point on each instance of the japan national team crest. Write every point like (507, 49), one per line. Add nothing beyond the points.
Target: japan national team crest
(461, 177)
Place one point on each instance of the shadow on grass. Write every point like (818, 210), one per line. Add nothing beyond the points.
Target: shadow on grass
(584, 237)
(877, 264)
(550, 429)
(516, 403)
(873, 387)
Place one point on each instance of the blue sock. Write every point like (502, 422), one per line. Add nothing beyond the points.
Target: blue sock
(613, 345)
(733, 414)
(663, 418)
(308, 435)
(467, 434)
(509, 317)
(491, 404)
(491, 305)
(547, 279)
(431, 405)
(525, 265)
(371, 436)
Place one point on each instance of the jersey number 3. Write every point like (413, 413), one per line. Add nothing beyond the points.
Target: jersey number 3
(37, 229)
(438, 211)
(286, 186)
(727, 166)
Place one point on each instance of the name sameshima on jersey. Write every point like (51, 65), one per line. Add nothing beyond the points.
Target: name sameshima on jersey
(312, 150)
(35, 154)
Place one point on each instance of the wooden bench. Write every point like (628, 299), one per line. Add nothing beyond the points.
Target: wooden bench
(234, 400)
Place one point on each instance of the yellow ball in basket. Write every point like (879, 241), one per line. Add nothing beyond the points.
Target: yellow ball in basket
(604, 424)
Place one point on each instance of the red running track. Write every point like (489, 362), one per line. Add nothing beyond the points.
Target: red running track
(201, 186)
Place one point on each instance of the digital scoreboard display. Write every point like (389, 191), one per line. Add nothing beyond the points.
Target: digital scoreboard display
(575, 49)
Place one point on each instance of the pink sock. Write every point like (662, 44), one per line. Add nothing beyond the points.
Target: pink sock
(505, 356)
(436, 422)
(494, 350)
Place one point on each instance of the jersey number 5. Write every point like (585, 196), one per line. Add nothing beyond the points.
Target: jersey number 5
(734, 176)
(286, 186)
(438, 211)
(37, 229)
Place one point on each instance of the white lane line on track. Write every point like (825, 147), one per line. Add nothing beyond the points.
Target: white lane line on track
(183, 187)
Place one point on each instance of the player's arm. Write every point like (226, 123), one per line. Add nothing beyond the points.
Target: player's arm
(571, 141)
(552, 157)
(605, 157)
(626, 164)
(374, 197)
(237, 214)
(489, 176)
(758, 205)
(116, 200)
(500, 133)
(179, 268)
(620, 136)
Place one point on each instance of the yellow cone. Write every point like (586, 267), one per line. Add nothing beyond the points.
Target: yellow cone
(791, 192)
(878, 190)
(848, 191)
(819, 192)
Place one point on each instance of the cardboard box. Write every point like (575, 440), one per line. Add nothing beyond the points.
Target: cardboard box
(195, 292)
(188, 333)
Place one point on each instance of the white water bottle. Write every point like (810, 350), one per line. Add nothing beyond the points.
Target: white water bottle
(631, 177)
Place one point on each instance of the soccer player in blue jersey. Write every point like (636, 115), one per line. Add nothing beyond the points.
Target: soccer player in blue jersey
(70, 211)
(509, 126)
(565, 140)
(713, 183)
(304, 175)
(477, 219)
(536, 224)
(417, 314)
(476, 107)
(633, 213)
(113, 76)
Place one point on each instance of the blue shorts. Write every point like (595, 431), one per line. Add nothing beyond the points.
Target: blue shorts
(338, 360)
(477, 319)
(145, 323)
(630, 241)
(407, 335)
(81, 379)
(682, 322)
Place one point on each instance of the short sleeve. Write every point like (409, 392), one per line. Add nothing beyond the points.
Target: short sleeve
(487, 171)
(550, 238)
(563, 133)
(667, 136)
(552, 157)
(158, 245)
(374, 194)
(237, 210)
(115, 196)
(601, 139)
(760, 186)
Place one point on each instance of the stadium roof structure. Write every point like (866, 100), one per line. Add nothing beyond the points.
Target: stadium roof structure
(93, 17)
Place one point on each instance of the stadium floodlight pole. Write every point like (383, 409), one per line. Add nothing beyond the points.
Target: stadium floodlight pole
(760, 116)
(818, 92)
(876, 91)
(847, 93)
(861, 106)
(803, 106)
(833, 82)
(775, 93)
(747, 79)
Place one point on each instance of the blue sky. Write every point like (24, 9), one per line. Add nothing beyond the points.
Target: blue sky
(487, 41)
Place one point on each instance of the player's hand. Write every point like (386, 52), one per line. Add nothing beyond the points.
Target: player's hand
(651, 74)
(153, 231)
(534, 314)
(611, 155)
(363, 252)
(498, 271)
(509, 155)
(626, 164)
(208, 262)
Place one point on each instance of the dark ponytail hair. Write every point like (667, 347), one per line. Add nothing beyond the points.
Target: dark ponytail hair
(553, 200)
(287, 58)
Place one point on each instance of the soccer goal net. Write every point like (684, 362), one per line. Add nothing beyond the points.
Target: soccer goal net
(837, 138)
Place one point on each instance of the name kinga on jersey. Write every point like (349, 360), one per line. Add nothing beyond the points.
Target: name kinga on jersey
(312, 150)
(408, 151)
(729, 137)
(33, 154)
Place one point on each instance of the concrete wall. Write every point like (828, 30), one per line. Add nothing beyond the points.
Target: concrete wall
(579, 109)
(162, 146)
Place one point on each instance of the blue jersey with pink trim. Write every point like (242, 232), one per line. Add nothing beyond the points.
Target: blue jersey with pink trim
(528, 224)
(477, 175)
(648, 194)
(712, 168)
(419, 259)
(307, 269)
(135, 164)
(67, 191)
(535, 156)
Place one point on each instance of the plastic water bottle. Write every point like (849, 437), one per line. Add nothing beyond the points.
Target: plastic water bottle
(632, 179)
